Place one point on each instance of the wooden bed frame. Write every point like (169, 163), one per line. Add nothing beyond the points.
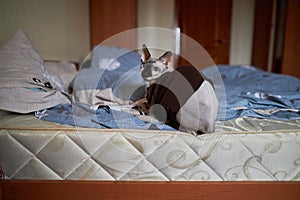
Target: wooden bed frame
(90, 190)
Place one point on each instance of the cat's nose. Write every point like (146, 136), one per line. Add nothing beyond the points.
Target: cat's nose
(146, 74)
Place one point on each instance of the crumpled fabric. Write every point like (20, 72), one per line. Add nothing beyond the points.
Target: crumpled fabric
(256, 93)
(81, 115)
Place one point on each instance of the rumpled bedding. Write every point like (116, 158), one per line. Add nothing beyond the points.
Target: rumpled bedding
(249, 91)
(23, 85)
(253, 92)
(110, 67)
(82, 115)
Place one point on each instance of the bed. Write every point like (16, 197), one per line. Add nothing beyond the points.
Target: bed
(55, 149)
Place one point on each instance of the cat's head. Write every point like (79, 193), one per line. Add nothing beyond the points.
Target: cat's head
(153, 68)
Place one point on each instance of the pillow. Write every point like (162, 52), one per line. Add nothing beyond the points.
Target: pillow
(60, 74)
(110, 67)
(23, 88)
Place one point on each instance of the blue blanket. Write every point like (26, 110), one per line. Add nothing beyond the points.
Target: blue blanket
(249, 92)
(80, 115)
(255, 93)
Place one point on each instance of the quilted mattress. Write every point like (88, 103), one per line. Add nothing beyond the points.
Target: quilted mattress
(240, 149)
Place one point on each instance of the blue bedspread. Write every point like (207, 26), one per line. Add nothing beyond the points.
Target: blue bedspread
(255, 93)
(249, 92)
(80, 115)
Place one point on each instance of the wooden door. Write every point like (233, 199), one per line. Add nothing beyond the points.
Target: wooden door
(278, 51)
(262, 32)
(207, 22)
(291, 48)
(109, 18)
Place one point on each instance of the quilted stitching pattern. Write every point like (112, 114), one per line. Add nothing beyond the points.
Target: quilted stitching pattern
(138, 155)
(242, 157)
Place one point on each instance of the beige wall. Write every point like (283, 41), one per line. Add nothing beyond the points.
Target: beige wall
(59, 29)
(156, 13)
(242, 31)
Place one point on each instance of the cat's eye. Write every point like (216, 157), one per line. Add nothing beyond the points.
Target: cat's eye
(156, 69)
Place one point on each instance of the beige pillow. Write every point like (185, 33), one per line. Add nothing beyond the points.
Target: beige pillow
(23, 88)
(60, 73)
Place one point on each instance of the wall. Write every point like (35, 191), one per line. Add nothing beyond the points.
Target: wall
(241, 31)
(156, 13)
(59, 29)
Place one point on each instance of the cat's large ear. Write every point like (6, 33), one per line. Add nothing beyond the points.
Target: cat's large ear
(166, 57)
(145, 53)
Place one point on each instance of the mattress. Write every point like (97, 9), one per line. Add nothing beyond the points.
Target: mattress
(241, 149)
